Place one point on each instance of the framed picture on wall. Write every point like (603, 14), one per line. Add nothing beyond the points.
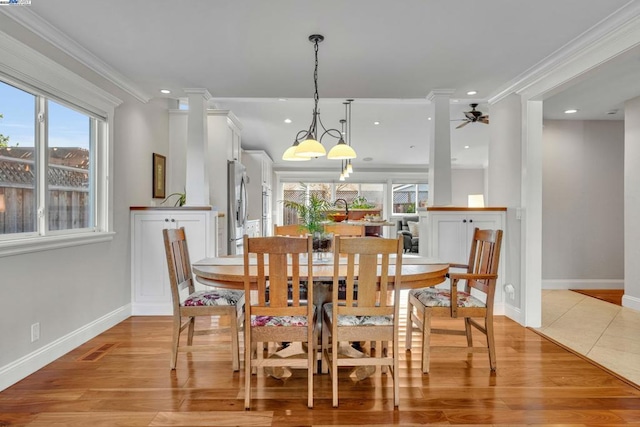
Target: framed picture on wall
(159, 176)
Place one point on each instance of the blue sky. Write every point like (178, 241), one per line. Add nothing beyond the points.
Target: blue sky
(67, 128)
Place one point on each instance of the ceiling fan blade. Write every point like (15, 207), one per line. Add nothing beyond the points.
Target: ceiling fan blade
(463, 125)
(459, 120)
(484, 119)
(469, 115)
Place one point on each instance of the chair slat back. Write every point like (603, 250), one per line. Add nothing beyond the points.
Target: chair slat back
(345, 229)
(278, 266)
(365, 252)
(178, 262)
(289, 230)
(484, 258)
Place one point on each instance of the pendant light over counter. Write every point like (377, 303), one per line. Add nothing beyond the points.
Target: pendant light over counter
(307, 144)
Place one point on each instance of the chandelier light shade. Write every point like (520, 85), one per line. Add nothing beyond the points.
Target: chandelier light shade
(310, 148)
(341, 151)
(308, 142)
(290, 154)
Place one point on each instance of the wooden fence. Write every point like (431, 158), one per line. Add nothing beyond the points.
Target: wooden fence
(69, 197)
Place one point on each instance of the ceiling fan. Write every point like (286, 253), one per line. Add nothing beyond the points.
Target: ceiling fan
(473, 116)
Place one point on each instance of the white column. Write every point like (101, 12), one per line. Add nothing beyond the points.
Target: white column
(504, 188)
(440, 149)
(531, 214)
(197, 181)
(631, 296)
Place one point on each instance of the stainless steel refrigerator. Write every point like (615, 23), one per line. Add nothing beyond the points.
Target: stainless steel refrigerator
(237, 207)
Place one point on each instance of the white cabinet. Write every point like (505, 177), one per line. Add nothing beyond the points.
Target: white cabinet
(150, 292)
(450, 231)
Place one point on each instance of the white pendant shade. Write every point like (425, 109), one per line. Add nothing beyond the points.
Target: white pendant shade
(349, 168)
(290, 155)
(341, 151)
(310, 148)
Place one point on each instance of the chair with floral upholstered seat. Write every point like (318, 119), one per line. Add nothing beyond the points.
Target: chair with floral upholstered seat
(205, 303)
(283, 310)
(371, 314)
(481, 277)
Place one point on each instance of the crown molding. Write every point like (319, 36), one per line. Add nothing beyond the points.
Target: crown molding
(34, 23)
(440, 93)
(609, 35)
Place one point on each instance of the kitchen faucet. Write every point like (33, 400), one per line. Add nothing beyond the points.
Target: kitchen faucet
(346, 205)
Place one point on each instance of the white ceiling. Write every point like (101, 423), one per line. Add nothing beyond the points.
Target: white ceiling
(387, 55)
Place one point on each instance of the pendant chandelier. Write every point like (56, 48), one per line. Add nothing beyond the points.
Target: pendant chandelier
(308, 142)
(346, 166)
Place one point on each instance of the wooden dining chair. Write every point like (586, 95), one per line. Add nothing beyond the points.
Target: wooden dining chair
(289, 230)
(371, 314)
(278, 316)
(481, 276)
(344, 229)
(205, 303)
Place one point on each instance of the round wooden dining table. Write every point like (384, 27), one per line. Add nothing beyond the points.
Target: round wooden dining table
(228, 272)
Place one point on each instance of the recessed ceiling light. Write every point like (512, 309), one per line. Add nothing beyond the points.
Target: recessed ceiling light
(412, 146)
(428, 118)
(472, 92)
(610, 112)
(466, 146)
(165, 91)
(571, 111)
(376, 123)
(282, 99)
(287, 121)
(367, 159)
(455, 100)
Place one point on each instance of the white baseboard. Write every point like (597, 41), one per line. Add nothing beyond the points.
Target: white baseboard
(514, 314)
(27, 365)
(151, 309)
(583, 284)
(631, 302)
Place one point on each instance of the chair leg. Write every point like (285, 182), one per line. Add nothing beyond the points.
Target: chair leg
(192, 324)
(395, 371)
(325, 348)
(334, 370)
(311, 368)
(426, 340)
(467, 330)
(491, 342)
(247, 366)
(176, 340)
(235, 347)
(409, 334)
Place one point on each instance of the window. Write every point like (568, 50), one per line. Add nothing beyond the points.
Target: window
(47, 165)
(407, 198)
(355, 194)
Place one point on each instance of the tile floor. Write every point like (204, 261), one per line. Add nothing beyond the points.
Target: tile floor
(601, 331)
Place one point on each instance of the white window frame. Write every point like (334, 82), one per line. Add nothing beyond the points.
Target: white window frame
(24, 67)
(391, 192)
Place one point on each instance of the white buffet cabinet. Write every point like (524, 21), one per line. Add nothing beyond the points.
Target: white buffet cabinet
(449, 234)
(150, 291)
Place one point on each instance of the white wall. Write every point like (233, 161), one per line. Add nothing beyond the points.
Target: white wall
(631, 296)
(582, 204)
(78, 292)
(465, 182)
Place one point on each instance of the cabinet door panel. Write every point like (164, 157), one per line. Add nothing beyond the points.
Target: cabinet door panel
(150, 273)
(450, 232)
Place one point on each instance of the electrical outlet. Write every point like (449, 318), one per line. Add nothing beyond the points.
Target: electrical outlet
(35, 332)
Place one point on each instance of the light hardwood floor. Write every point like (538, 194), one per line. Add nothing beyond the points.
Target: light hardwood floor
(122, 378)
